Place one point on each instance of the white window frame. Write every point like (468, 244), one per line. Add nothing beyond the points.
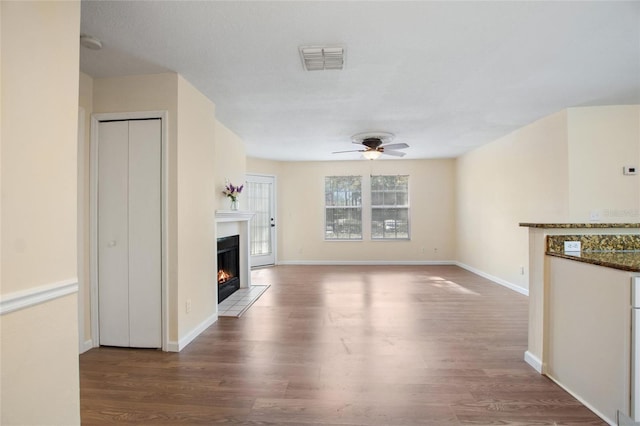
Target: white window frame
(328, 207)
(373, 207)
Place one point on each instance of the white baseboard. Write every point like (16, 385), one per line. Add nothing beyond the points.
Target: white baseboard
(365, 262)
(495, 279)
(173, 346)
(533, 361)
(86, 345)
(408, 262)
(583, 402)
(33, 296)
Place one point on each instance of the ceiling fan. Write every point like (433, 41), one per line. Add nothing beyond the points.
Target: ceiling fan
(376, 144)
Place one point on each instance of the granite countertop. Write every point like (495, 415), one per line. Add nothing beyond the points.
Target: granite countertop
(623, 260)
(612, 251)
(580, 225)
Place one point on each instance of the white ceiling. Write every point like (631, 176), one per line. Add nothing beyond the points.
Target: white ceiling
(445, 77)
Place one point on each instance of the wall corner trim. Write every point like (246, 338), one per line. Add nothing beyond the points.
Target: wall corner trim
(26, 298)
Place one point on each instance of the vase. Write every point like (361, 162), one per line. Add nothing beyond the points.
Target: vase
(235, 204)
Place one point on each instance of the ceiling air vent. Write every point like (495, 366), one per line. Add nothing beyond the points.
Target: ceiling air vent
(318, 58)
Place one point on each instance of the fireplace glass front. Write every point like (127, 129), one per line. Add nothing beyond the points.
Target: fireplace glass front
(228, 266)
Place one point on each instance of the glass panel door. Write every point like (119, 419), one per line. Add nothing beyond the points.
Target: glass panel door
(261, 201)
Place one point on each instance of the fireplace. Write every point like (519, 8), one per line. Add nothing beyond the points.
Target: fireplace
(228, 266)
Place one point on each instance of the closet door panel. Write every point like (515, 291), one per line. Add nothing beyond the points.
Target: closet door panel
(144, 198)
(113, 252)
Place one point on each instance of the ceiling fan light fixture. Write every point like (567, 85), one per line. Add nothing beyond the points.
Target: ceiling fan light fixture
(371, 154)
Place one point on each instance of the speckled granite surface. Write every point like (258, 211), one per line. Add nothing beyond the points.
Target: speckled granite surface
(613, 251)
(581, 225)
(626, 261)
(600, 243)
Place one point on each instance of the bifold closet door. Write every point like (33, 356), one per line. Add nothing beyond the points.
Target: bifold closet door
(129, 233)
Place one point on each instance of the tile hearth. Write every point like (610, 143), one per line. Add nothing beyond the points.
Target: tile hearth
(238, 303)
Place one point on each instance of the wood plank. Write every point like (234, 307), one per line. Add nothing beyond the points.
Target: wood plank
(348, 345)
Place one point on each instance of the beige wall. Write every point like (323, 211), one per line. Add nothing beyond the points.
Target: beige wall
(85, 101)
(301, 211)
(230, 164)
(521, 177)
(264, 167)
(558, 169)
(601, 141)
(39, 69)
(157, 92)
(194, 183)
(196, 228)
(46, 146)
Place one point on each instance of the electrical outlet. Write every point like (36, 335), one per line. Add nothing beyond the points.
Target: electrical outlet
(188, 307)
(572, 246)
(522, 270)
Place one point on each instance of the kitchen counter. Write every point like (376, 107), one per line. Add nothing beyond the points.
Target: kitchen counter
(579, 225)
(538, 267)
(578, 305)
(618, 251)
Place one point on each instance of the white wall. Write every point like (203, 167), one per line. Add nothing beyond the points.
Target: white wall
(39, 115)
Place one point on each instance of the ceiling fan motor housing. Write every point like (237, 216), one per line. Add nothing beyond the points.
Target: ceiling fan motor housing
(372, 143)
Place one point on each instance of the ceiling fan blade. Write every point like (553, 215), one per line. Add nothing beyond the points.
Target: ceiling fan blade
(353, 150)
(395, 146)
(394, 153)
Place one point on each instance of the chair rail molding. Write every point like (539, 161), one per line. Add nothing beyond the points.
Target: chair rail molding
(33, 296)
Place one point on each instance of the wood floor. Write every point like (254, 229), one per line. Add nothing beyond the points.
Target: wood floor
(347, 345)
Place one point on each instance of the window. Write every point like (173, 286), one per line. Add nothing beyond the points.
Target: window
(389, 207)
(343, 207)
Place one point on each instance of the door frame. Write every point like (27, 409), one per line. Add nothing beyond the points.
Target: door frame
(80, 230)
(275, 213)
(93, 213)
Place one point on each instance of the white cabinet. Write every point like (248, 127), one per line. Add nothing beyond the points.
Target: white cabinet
(588, 334)
(635, 354)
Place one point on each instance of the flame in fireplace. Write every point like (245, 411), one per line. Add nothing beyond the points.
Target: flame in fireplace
(223, 276)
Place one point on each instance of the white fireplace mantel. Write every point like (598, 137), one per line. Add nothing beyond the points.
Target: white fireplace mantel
(233, 215)
(231, 222)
